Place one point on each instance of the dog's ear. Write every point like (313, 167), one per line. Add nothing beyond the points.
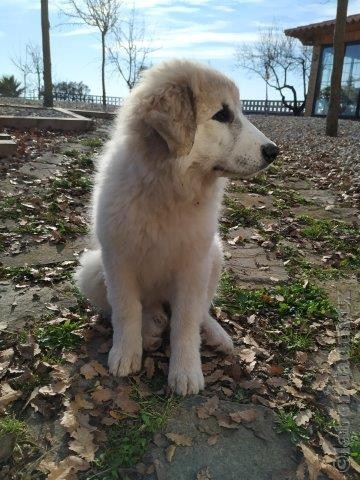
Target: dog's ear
(172, 115)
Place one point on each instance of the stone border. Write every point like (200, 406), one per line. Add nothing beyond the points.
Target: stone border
(95, 114)
(75, 122)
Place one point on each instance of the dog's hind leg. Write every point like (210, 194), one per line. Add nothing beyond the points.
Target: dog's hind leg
(154, 323)
(213, 334)
(89, 278)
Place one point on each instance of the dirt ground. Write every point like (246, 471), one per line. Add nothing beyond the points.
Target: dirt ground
(282, 407)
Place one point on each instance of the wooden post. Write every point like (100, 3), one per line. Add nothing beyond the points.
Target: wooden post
(332, 118)
(45, 28)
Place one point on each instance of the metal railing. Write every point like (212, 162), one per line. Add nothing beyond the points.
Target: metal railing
(270, 107)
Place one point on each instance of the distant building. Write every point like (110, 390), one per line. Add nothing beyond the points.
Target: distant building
(320, 36)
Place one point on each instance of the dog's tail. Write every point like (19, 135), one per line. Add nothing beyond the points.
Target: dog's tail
(89, 278)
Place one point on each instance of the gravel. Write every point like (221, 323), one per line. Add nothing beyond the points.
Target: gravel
(331, 162)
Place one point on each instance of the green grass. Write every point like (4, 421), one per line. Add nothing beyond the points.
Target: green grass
(355, 350)
(336, 235)
(128, 440)
(283, 300)
(11, 208)
(237, 214)
(286, 424)
(72, 153)
(71, 180)
(69, 229)
(288, 309)
(92, 142)
(16, 274)
(12, 425)
(85, 161)
(61, 336)
(355, 447)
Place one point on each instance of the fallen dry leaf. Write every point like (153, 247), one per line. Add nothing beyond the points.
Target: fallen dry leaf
(244, 415)
(320, 381)
(7, 395)
(213, 439)
(6, 357)
(170, 451)
(254, 384)
(88, 371)
(83, 443)
(179, 439)
(312, 460)
(275, 370)
(204, 474)
(64, 470)
(208, 408)
(327, 447)
(149, 366)
(226, 422)
(276, 382)
(102, 394)
(303, 417)
(334, 356)
(247, 355)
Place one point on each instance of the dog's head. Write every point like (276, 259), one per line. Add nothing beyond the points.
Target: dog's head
(196, 113)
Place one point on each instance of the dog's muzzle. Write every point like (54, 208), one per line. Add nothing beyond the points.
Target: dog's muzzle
(269, 152)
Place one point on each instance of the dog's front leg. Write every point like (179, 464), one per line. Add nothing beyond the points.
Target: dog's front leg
(124, 298)
(185, 373)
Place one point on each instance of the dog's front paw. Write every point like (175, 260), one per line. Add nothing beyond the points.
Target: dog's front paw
(186, 380)
(124, 360)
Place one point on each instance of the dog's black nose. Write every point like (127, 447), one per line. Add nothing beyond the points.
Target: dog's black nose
(270, 151)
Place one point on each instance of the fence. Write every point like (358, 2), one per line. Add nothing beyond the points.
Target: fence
(94, 102)
(271, 107)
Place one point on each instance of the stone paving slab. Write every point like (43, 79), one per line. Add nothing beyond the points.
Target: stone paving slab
(254, 451)
(329, 212)
(254, 265)
(17, 305)
(45, 254)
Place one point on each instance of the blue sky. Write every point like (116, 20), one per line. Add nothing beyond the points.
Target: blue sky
(204, 30)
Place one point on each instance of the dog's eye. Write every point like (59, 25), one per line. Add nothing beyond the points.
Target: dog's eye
(224, 115)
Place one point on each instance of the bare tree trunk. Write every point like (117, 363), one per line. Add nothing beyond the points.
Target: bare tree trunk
(103, 69)
(335, 90)
(45, 27)
(39, 83)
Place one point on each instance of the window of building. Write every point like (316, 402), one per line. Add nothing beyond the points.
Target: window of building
(350, 82)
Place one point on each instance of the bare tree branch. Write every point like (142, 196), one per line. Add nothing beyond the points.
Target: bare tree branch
(102, 14)
(274, 57)
(129, 49)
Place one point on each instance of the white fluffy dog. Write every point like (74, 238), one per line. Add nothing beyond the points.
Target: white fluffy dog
(156, 203)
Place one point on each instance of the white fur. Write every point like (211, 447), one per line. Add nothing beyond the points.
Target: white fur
(156, 202)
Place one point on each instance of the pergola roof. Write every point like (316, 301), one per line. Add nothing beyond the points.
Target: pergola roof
(310, 34)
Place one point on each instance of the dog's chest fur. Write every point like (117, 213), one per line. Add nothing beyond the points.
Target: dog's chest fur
(153, 225)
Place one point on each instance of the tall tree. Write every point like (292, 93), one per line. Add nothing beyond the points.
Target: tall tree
(10, 87)
(25, 68)
(332, 118)
(275, 57)
(36, 63)
(102, 14)
(45, 30)
(129, 51)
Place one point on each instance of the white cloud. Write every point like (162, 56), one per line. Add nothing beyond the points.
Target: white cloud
(223, 8)
(208, 53)
(85, 30)
(204, 34)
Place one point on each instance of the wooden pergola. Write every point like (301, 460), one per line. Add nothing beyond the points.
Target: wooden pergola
(319, 35)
